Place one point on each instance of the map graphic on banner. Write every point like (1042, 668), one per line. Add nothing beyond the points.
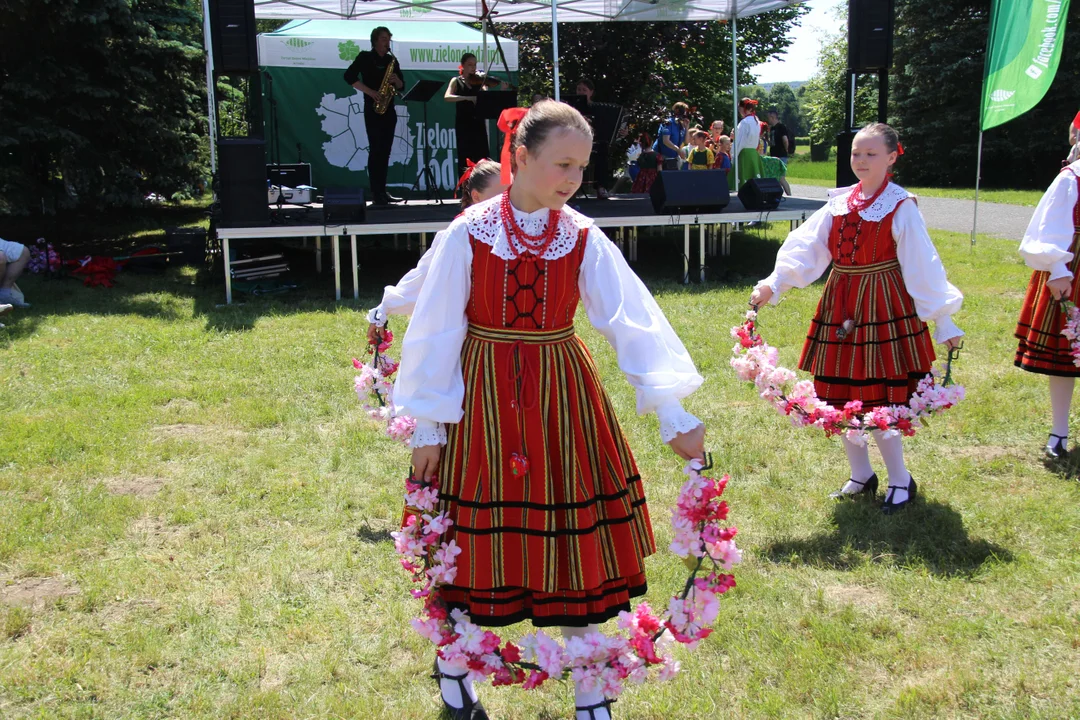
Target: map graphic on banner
(343, 121)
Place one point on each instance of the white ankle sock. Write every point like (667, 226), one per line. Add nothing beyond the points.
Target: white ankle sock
(892, 452)
(858, 457)
(592, 697)
(451, 690)
(1061, 392)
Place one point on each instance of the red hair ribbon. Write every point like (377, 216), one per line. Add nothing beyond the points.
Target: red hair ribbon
(461, 69)
(509, 119)
(1076, 121)
(899, 149)
(748, 102)
(469, 165)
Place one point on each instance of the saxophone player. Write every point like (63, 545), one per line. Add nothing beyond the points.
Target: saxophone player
(370, 71)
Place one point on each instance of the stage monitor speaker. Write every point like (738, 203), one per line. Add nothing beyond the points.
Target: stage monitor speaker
(870, 35)
(689, 191)
(761, 194)
(845, 176)
(342, 205)
(242, 175)
(233, 36)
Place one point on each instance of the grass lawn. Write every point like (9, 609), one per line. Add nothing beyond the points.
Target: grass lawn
(802, 170)
(195, 519)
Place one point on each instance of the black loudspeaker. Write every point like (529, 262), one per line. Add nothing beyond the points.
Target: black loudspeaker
(844, 174)
(343, 205)
(761, 194)
(232, 33)
(870, 35)
(242, 174)
(689, 191)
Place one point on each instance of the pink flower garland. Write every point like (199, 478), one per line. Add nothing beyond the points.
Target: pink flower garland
(597, 660)
(43, 258)
(1072, 328)
(756, 361)
(375, 388)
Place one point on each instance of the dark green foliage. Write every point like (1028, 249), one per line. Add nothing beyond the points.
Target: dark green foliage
(101, 103)
(936, 91)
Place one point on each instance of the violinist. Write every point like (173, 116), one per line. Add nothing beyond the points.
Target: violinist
(471, 131)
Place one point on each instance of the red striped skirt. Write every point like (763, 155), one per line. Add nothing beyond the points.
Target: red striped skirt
(565, 543)
(887, 353)
(1042, 348)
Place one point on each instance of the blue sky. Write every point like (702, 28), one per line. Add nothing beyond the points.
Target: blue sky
(800, 60)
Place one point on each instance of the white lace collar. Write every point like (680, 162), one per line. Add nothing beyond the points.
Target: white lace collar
(885, 204)
(485, 224)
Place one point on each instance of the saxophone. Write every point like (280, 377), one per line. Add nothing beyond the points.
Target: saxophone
(386, 90)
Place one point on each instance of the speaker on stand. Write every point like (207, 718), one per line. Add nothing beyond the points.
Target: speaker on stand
(689, 191)
(242, 182)
(870, 52)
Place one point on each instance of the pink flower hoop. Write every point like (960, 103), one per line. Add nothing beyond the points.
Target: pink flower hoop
(1072, 328)
(375, 388)
(756, 361)
(597, 660)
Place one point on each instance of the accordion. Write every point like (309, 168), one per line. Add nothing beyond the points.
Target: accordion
(606, 119)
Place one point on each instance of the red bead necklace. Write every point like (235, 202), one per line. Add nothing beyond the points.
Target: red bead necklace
(534, 245)
(856, 202)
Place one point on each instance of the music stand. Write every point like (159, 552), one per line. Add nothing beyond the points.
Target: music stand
(422, 92)
(491, 103)
(578, 102)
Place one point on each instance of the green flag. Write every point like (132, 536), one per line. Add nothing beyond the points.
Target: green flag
(1022, 56)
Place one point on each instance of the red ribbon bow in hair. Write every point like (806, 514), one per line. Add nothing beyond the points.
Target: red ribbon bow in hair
(509, 119)
(469, 165)
(899, 149)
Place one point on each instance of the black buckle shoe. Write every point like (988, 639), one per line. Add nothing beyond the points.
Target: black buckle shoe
(891, 507)
(867, 489)
(591, 709)
(1057, 450)
(470, 710)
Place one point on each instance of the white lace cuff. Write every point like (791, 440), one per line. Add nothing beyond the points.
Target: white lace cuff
(428, 433)
(674, 420)
(377, 316)
(945, 329)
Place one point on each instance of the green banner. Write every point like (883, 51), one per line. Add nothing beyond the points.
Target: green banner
(320, 120)
(1022, 55)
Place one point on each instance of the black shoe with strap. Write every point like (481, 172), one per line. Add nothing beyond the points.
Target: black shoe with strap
(1057, 447)
(591, 709)
(867, 489)
(891, 507)
(470, 710)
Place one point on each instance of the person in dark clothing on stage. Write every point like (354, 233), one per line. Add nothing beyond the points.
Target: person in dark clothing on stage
(599, 157)
(366, 75)
(471, 131)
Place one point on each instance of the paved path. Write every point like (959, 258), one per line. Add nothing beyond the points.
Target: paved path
(1008, 221)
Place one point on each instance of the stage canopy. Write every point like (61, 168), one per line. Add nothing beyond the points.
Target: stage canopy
(387, 11)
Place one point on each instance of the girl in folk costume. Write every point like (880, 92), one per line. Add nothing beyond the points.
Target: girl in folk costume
(536, 475)
(648, 166)
(1050, 248)
(747, 137)
(479, 182)
(868, 340)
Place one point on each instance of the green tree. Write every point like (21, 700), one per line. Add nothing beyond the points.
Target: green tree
(940, 47)
(103, 102)
(782, 99)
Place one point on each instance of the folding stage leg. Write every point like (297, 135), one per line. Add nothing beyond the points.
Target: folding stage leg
(686, 255)
(337, 266)
(701, 251)
(633, 243)
(228, 270)
(423, 243)
(355, 270)
(318, 253)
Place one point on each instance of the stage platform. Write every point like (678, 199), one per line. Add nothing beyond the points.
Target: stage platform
(622, 213)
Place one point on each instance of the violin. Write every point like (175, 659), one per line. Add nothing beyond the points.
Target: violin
(482, 79)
